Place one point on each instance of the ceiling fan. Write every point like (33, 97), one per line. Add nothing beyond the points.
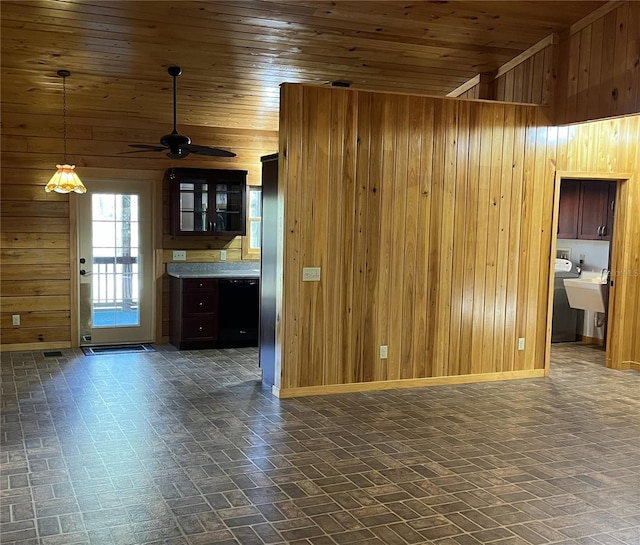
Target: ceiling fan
(178, 145)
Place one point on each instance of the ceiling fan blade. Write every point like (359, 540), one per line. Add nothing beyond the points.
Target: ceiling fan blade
(153, 147)
(146, 150)
(206, 150)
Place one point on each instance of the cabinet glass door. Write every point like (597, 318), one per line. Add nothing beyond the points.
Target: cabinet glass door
(194, 203)
(207, 202)
(229, 208)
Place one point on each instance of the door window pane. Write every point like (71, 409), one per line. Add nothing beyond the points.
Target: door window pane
(255, 217)
(115, 267)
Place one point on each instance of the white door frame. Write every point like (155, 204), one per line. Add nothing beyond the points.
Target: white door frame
(101, 176)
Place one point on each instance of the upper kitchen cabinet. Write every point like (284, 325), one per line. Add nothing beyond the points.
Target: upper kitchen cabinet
(568, 211)
(207, 202)
(595, 214)
(586, 209)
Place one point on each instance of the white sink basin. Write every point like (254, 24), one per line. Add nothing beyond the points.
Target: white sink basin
(587, 293)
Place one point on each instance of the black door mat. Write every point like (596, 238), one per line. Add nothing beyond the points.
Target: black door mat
(117, 349)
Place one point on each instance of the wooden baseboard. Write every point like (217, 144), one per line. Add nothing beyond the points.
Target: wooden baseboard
(591, 340)
(407, 383)
(632, 365)
(30, 347)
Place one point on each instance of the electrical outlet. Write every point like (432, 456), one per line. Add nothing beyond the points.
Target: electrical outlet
(311, 274)
(223, 255)
(179, 255)
(15, 319)
(521, 343)
(384, 351)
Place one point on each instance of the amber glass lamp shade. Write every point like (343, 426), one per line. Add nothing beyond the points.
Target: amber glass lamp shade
(65, 180)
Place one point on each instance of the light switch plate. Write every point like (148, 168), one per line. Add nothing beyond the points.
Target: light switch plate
(311, 274)
(179, 255)
(223, 255)
(384, 352)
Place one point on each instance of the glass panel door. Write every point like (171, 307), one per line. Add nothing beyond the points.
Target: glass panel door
(194, 204)
(229, 207)
(116, 268)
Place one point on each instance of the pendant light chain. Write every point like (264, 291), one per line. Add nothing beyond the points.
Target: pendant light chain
(65, 179)
(64, 116)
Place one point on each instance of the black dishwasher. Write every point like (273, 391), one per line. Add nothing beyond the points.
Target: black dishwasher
(238, 312)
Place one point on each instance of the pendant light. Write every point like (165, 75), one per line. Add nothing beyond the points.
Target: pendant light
(65, 180)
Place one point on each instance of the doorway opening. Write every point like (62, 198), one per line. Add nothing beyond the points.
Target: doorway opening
(583, 248)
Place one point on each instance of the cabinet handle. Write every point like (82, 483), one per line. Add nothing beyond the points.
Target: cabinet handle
(200, 285)
(200, 303)
(599, 230)
(200, 328)
(604, 231)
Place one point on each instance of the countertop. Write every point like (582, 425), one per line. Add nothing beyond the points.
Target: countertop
(214, 270)
(230, 274)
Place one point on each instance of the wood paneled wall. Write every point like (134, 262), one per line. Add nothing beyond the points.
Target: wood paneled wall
(599, 68)
(531, 81)
(431, 221)
(593, 73)
(37, 243)
(609, 149)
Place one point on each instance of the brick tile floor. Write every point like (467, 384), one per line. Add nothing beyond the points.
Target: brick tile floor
(188, 448)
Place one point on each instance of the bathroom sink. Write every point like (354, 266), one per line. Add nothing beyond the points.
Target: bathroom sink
(587, 293)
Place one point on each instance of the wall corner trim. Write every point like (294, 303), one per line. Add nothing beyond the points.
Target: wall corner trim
(590, 18)
(475, 80)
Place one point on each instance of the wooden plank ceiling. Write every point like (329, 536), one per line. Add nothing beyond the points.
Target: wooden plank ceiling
(234, 54)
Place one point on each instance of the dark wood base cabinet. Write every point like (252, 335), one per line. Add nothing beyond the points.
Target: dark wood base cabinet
(194, 312)
(214, 312)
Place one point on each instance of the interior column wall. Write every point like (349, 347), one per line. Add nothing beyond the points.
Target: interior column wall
(431, 221)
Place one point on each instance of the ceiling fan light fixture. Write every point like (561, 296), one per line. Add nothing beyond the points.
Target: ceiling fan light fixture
(65, 179)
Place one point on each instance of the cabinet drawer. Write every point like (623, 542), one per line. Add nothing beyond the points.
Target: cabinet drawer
(199, 284)
(198, 302)
(200, 327)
